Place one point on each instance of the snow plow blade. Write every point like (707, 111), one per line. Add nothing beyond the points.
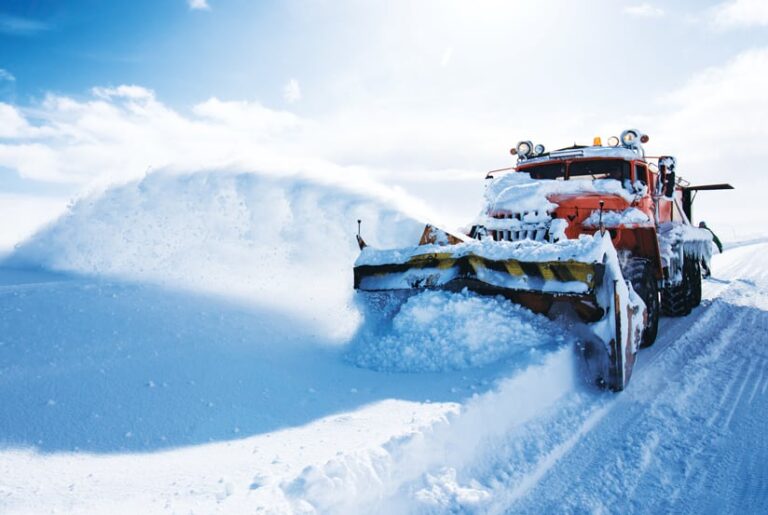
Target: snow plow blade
(533, 274)
(446, 271)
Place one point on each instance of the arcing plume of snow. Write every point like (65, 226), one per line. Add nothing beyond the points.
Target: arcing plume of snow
(436, 331)
(284, 242)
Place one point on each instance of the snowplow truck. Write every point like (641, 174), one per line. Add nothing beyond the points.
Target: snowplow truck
(602, 232)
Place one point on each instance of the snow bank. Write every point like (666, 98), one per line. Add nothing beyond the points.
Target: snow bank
(381, 478)
(286, 242)
(436, 331)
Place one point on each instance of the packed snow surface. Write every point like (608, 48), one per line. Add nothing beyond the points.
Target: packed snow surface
(163, 369)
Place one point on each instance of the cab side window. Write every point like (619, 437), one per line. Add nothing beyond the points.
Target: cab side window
(641, 173)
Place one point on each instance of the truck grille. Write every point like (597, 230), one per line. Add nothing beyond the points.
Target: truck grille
(526, 225)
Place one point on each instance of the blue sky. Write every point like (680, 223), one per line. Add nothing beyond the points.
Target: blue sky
(184, 54)
(248, 49)
(424, 96)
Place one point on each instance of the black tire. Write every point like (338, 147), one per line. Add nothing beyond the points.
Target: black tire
(676, 299)
(639, 272)
(694, 280)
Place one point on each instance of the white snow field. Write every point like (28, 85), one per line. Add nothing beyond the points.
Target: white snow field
(191, 344)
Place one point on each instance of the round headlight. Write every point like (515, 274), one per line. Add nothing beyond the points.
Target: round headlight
(629, 138)
(524, 148)
(613, 141)
(539, 149)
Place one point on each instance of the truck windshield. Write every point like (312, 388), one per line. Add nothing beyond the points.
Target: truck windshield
(600, 169)
(547, 171)
(591, 169)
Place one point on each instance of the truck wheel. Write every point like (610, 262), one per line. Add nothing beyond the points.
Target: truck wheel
(676, 299)
(639, 272)
(694, 279)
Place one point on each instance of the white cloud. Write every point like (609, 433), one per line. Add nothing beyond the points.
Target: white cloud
(740, 13)
(199, 5)
(125, 91)
(6, 75)
(644, 10)
(722, 110)
(292, 91)
(12, 123)
(119, 133)
(446, 58)
(20, 26)
(716, 126)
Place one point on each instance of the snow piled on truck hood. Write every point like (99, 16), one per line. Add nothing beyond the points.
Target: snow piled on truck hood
(285, 242)
(518, 192)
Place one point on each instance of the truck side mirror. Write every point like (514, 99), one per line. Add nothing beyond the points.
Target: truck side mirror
(669, 186)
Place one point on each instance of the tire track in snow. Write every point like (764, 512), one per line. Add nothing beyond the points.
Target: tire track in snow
(652, 442)
(550, 459)
(758, 382)
(706, 365)
(735, 403)
(765, 385)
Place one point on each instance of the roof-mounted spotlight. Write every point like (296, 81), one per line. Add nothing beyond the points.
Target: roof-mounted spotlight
(613, 141)
(644, 138)
(539, 149)
(630, 138)
(524, 149)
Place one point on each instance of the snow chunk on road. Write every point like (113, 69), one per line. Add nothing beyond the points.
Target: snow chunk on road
(443, 490)
(438, 330)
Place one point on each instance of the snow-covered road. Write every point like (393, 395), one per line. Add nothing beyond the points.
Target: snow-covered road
(687, 435)
(174, 368)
